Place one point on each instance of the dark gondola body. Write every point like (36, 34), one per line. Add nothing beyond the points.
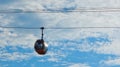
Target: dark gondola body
(40, 47)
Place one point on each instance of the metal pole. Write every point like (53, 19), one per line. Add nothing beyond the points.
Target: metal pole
(42, 28)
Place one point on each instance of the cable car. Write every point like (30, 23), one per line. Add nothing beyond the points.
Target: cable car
(40, 46)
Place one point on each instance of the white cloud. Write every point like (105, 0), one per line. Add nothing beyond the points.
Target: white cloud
(25, 41)
(67, 3)
(53, 59)
(14, 56)
(111, 62)
(5, 19)
(74, 19)
(102, 44)
(79, 65)
(66, 20)
(112, 48)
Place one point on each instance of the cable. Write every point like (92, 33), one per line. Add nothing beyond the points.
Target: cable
(54, 27)
(77, 27)
(20, 27)
(60, 10)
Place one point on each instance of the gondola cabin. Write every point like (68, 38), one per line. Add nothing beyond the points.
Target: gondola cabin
(40, 47)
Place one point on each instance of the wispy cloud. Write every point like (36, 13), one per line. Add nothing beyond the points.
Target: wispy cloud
(111, 62)
(79, 65)
(62, 43)
(6, 19)
(15, 56)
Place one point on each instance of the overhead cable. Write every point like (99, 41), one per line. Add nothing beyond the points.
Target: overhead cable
(8, 27)
(60, 10)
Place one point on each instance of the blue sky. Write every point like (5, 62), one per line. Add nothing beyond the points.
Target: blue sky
(66, 47)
